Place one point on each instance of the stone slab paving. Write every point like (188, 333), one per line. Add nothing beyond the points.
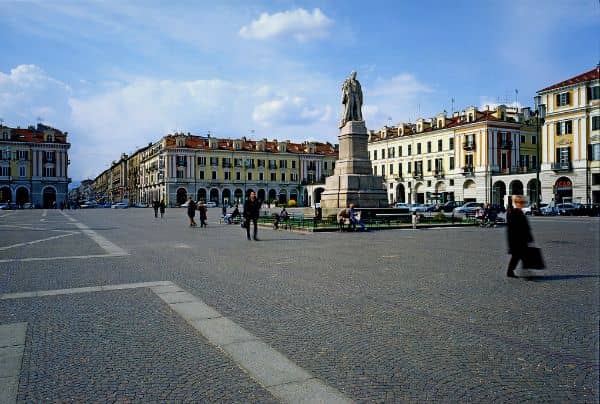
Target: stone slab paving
(386, 316)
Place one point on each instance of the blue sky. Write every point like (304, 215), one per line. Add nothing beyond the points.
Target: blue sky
(119, 74)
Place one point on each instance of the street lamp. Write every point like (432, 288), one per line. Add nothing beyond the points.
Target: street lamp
(540, 112)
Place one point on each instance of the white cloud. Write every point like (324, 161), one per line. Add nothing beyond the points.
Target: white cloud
(27, 92)
(298, 23)
(289, 111)
(394, 98)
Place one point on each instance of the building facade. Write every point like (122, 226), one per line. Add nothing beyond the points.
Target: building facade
(223, 171)
(34, 166)
(471, 155)
(571, 139)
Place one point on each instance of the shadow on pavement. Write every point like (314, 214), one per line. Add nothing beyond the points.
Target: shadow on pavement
(557, 277)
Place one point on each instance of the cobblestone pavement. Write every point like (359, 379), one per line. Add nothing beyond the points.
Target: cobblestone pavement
(396, 315)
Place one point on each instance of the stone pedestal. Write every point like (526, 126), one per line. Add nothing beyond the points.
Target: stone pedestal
(353, 180)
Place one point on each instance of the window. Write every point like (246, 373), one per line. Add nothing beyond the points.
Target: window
(294, 164)
(214, 161)
(374, 170)
(261, 176)
(227, 175)
(562, 99)
(237, 162)
(451, 183)
(596, 122)
(469, 160)
(524, 160)
(522, 138)
(595, 154)
(325, 166)
(440, 145)
(391, 169)
(374, 154)
(409, 152)
(452, 163)
(369, 154)
(428, 165)
(391, 152)
(428, 147)
(595, 179)
(419, 167)
(49, 172)
(418, 148)
(451, 144)
(273, 177)
(202, 161)
(249, 176)
(382, 154)
(49, 156)
(4, 135)
(4, 171)
(22, 171)
(282, 163)
(400, 169)
(399, 151)
(409, 167)
(533, 139)
(179, 174)
(564, 127)
(261, 163)
(201, 174)
(594, 93)
(238, 176)
(294, 177)
(439, 165)
(562, 155)
(282, 177)
(428, 183)
(383, 171)
(533, 161)
(22, 154)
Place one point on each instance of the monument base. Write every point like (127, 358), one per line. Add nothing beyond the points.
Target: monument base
(353, 181)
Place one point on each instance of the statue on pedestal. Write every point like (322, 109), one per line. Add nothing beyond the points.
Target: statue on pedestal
(352, 98)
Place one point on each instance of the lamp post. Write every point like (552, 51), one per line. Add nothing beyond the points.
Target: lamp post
(540, 112)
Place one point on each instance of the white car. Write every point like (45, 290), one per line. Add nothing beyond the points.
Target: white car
(210, 204)
(418, 207)
(140, 205)
(119, 205)
(469, 208)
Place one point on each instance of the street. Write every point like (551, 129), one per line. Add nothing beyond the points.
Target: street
(116, 305)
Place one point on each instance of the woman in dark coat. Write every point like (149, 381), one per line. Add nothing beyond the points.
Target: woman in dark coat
(202, 210)
(519, 234)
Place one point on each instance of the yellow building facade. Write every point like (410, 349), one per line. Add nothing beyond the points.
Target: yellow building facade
(571, 139)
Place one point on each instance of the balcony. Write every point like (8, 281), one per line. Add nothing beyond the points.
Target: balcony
(506, 144)
(272, 166)
(181, 164)
(226, 165)
(469, 145)
(468, 171)
(438, 173)
(418, 175)
(562, 166)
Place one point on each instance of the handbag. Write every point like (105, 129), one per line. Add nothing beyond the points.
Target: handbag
(532, 259)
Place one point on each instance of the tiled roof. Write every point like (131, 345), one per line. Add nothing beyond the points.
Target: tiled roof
(202, 143)
(31, 135)
(593, 74)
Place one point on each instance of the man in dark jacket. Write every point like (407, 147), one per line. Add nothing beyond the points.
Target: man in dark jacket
(518, 232)
(251, 213)
(191, 211)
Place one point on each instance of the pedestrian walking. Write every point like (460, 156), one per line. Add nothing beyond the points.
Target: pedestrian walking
(518, 233)
(162, 207)
(155, 206)
(224, 209)
(191, 211)
(202, 213)
(251, 213)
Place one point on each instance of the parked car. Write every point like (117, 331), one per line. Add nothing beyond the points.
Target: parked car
(119, 205)
(565, 209)
(418, 207)
(547, 210)
(469, 208)
(210, 204)
(88, 205)
(5, 206)
(527, 210)
(401, 205)
(449, 206)
(140, 205)
(592, 209)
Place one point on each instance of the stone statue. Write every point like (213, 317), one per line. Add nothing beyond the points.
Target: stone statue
(352, 98)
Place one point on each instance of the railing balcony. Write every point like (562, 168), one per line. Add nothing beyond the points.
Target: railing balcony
(468, 170)
(250, 165)
(469, 145)
(272, 166)
(506, 144)
(418, 175)
(562, 166)
(214, 163)
(438, 173)
(226, 165)
(181, 164)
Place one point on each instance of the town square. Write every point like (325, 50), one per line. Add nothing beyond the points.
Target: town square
(273, 202)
